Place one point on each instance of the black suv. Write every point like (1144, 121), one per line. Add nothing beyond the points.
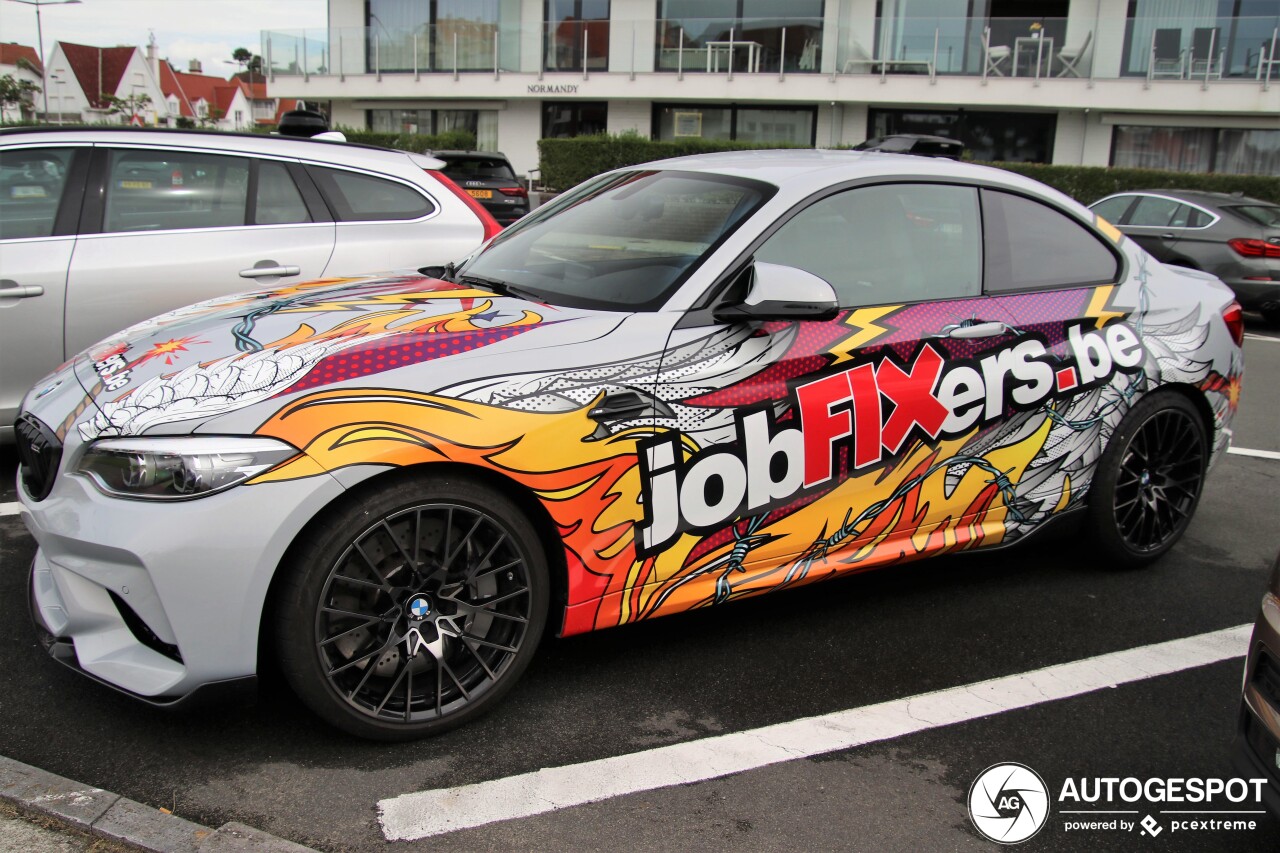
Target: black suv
(487, 177)
(915, 143)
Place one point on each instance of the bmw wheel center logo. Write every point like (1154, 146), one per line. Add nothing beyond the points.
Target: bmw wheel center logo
(419, 607)
(1009, 803)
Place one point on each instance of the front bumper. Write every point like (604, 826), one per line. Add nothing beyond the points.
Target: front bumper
(1256, 751)
(161, 600)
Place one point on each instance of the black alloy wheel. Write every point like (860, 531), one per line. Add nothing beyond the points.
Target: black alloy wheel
(1149, 479)
(414, 611)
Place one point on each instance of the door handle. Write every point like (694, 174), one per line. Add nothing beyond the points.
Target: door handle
(10, 289)
(975, 330)
(1166, 236)
(263, 272)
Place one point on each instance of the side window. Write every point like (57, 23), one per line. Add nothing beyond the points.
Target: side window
(1113, 209)
(356, 197)
(888, 243)
(1030, 245)
(162, 190)
(278, 200)
(31, 185)
(1154, 212)
(1197, 218)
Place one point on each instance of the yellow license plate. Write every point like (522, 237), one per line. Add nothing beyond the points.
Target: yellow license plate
(480, 193)
(135, 185)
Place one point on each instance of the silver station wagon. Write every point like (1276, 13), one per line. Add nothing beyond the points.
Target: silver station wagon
(102, 228)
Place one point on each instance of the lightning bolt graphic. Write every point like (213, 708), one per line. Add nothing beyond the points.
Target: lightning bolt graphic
(864, 320)
(1097, 306)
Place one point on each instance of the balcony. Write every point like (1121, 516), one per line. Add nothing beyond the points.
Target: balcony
(1208, 51)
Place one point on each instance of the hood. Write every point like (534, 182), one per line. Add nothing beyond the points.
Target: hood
(170, 374)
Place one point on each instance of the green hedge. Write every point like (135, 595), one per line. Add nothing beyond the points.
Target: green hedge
(453, 140)
(566, 162)
(1087, 184)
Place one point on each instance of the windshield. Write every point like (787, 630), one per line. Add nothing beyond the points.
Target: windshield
(1266, 215)
(479, 167)
(625, 244)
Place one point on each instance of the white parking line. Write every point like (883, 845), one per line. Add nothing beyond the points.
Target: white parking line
(1260, 454)
(10, 509)
(1262, 338)
(426, 813)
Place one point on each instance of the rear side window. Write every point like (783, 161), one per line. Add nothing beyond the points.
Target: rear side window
(32, 181)
(164, 190)
(277, 201)
(356, 197)
(1031, 246)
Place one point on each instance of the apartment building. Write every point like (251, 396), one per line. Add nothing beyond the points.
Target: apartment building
(1191, 85)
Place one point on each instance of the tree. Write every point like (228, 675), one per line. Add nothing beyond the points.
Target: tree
(127, 107)
(18, 93)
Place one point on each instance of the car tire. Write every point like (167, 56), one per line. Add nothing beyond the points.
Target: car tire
(1271, 315)
(1148, 481)
(414, 609)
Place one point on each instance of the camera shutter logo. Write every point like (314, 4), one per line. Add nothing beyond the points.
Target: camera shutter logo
(1008, 803)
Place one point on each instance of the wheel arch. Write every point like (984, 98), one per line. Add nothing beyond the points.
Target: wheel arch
(1197, 399)
(521, 494)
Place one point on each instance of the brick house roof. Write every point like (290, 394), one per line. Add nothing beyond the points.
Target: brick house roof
(11, 53)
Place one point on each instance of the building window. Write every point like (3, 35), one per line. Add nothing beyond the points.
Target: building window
(577, 30)
(747, 35)
(1197, 149)
(1195, 37)
(561, 119)
(438, 35)
(989, 137)
(423, 121)
(783, 125)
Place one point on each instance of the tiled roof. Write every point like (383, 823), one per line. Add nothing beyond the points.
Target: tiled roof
(11, 53)
(98, 69)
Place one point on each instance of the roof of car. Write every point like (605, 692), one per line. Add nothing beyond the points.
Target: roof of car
(809, 169)
(1200, 196)
(300, 146)
(469, 155)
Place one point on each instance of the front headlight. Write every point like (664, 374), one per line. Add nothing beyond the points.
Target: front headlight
(175, 469)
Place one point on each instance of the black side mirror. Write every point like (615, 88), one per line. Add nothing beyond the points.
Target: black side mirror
(779, 292)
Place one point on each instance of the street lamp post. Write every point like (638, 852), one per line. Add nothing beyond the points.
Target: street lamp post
(44, 90)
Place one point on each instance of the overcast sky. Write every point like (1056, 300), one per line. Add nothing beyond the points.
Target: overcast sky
(207, 30)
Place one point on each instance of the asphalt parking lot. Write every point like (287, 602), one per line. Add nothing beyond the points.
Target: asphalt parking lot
(818, 650)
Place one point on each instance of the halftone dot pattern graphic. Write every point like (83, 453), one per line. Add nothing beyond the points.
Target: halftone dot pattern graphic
(399, 351)
(806, 355)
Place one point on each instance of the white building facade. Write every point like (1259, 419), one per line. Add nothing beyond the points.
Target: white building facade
(1191, 85)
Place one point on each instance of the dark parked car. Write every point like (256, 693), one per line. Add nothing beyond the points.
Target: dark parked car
(915, 143)
(1235, 237)
(1257, 751)
(487, 176)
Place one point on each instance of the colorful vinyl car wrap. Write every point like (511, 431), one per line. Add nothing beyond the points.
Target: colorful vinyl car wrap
(752, 457)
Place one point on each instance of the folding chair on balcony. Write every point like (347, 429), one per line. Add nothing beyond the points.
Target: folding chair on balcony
(1167, 58)
(995, 55)
(1269, 56)
(1070, 57)
(1207, 53)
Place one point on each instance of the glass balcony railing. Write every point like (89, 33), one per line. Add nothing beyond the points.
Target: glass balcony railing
(774, 45)
(1188, 48)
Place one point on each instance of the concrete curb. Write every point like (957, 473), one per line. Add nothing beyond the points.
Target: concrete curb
(93, 810)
